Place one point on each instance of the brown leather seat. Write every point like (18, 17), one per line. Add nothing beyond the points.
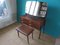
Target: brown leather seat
(26, 30)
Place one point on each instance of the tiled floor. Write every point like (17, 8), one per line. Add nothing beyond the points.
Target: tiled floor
(8, 36)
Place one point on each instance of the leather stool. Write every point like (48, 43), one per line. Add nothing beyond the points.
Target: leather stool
(26, 30)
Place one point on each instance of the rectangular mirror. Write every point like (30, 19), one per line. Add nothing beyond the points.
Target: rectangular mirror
(36, 8)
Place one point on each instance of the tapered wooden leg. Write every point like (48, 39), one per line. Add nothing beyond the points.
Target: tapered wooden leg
(43, 28)
(40, 33)
(28, 39)
(32, 35)
(18, 33)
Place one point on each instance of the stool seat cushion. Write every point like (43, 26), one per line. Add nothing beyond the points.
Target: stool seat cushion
(25, 29)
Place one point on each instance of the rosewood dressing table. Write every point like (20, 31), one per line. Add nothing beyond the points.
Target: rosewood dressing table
(35, 14)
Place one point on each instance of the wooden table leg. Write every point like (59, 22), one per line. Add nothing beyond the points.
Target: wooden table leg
(32, 35)
(40, 33)
(28, 39)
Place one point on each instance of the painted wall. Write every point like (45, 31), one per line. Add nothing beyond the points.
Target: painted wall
(20, 8)
(11, 5)
(52, 27)
(10, 17)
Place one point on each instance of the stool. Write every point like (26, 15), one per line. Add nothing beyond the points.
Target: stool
(26, 30)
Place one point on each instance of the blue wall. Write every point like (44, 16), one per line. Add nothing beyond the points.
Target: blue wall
(20, 8)
(52, 27)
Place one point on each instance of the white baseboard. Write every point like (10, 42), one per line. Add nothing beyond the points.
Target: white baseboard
(4, 24)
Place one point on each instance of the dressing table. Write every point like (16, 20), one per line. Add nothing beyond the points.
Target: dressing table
(35, 14)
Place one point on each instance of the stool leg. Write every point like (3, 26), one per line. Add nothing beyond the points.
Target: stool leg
(28, 39)
(18, 33)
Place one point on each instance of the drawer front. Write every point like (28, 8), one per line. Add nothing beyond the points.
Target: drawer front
(36, 24)
(33, 23)
(28, 22)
